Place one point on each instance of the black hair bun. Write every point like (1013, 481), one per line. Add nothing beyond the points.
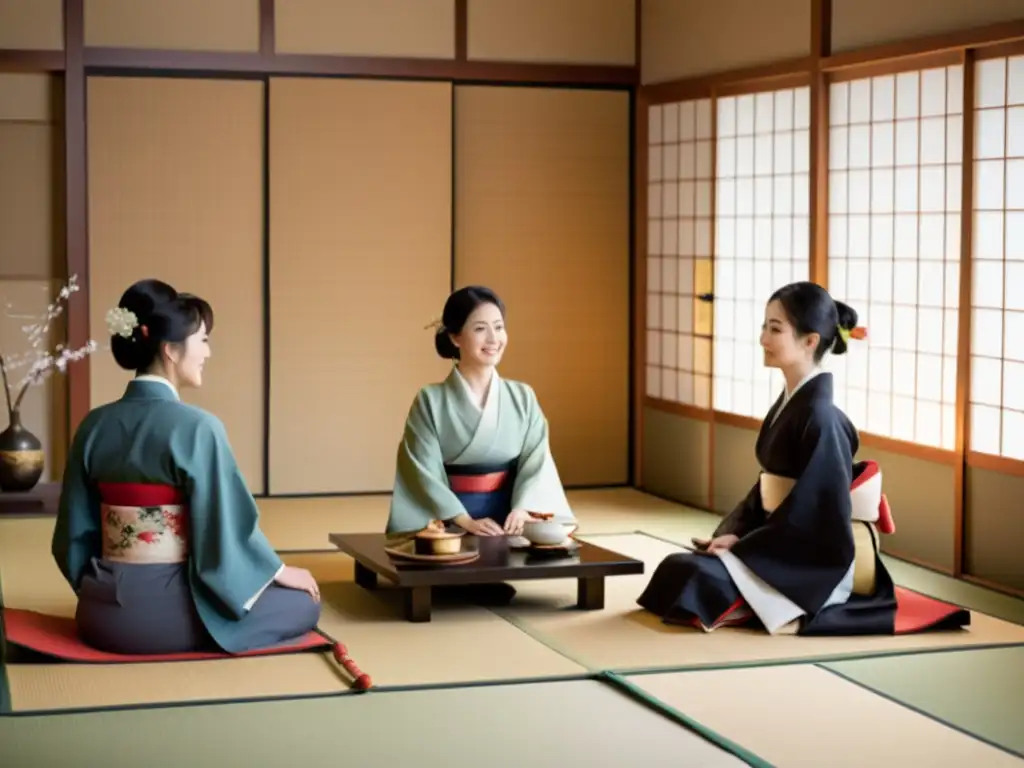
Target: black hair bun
(161, 315)
(847, 321)
(445, 346)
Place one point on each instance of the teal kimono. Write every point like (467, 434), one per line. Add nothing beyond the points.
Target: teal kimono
(457, 458)
(157, 572)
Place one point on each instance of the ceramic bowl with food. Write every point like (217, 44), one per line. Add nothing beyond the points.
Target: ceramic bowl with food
(544, 531)
(435, 540)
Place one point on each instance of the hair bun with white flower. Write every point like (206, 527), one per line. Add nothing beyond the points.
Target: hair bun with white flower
(122, 322)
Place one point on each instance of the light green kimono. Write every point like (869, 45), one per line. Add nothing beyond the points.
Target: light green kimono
(445, 426)
(150, 436)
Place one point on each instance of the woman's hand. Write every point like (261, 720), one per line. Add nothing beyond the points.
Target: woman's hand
(723, 543)
(300, 579)
(482, 527)
(515, 521)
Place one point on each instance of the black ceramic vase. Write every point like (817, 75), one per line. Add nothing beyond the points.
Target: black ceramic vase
(21, 457)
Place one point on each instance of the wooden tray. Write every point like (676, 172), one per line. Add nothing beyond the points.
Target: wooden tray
(408, 554)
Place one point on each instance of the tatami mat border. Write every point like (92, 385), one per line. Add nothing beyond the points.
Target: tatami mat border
(657, 705)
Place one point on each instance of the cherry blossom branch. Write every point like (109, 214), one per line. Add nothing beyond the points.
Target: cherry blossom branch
(7, 388)
(42, 363)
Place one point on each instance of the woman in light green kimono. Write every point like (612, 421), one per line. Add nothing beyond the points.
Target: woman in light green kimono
(475, 450)
(156, 530)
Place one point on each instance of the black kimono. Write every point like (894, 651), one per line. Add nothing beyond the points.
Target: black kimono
(794, 563)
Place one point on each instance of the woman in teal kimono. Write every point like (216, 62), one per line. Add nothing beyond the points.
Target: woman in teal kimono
(156, 531)
(475, 449)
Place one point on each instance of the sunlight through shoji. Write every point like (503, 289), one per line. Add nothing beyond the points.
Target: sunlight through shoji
(679, 252)
(895, 154)
(762, 234)
(997, 314)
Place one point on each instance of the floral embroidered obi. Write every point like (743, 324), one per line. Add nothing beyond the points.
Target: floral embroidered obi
(144, 523)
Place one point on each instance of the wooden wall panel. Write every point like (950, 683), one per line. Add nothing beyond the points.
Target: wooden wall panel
(542, 217)
(994, 527)
(175, 193)
(553, 31)
(414, 28)
(676, 461)
(862, 23)
(31, 174)
(360, 228)
(32, 24)
(196, 25)
(735, 466)
(687, 38)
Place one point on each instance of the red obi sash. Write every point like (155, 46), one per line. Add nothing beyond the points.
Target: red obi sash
(144, 523)
(488, 483)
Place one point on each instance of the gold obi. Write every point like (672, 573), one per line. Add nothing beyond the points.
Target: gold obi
(774, 490)
(150, 534)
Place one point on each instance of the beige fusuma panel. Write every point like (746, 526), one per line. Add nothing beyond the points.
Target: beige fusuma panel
(360, 262)
(400, 28)
(553, 31)
(542, 217)
(175, 193)
(863, 23)
(32, 24)
(31, 178)
(688, 38)
(196, 25)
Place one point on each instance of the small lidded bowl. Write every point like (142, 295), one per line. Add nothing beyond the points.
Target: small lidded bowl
(543, 530)
(435, 540)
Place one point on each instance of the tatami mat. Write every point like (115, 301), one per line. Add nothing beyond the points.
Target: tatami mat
(981, 691)
(392, 651)
(626, 637)
(800, 715)
(540, 724)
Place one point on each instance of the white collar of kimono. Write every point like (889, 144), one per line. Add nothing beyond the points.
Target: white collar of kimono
(814, 372)
(471, 394)
(787, 396)
(159, 380)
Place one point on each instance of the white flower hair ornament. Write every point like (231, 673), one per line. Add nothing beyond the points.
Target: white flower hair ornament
(121, 322)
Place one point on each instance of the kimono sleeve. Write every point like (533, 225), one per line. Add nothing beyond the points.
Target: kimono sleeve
(77, 536)
(538, 487)
(421, 492)
(231, 557)
(745, 517)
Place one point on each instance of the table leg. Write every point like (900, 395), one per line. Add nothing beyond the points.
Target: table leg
(365, 578)
(417, 603)
(590, 593)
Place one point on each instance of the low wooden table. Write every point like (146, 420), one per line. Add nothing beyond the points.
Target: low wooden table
(588, 564)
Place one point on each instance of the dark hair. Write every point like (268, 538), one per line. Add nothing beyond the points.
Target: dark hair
(457, 309)
(163, 316)
(810, 309)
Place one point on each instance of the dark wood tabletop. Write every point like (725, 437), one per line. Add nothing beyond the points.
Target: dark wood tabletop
(498, 562)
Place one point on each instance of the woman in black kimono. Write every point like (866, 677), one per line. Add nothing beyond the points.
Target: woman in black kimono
(800, 552)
